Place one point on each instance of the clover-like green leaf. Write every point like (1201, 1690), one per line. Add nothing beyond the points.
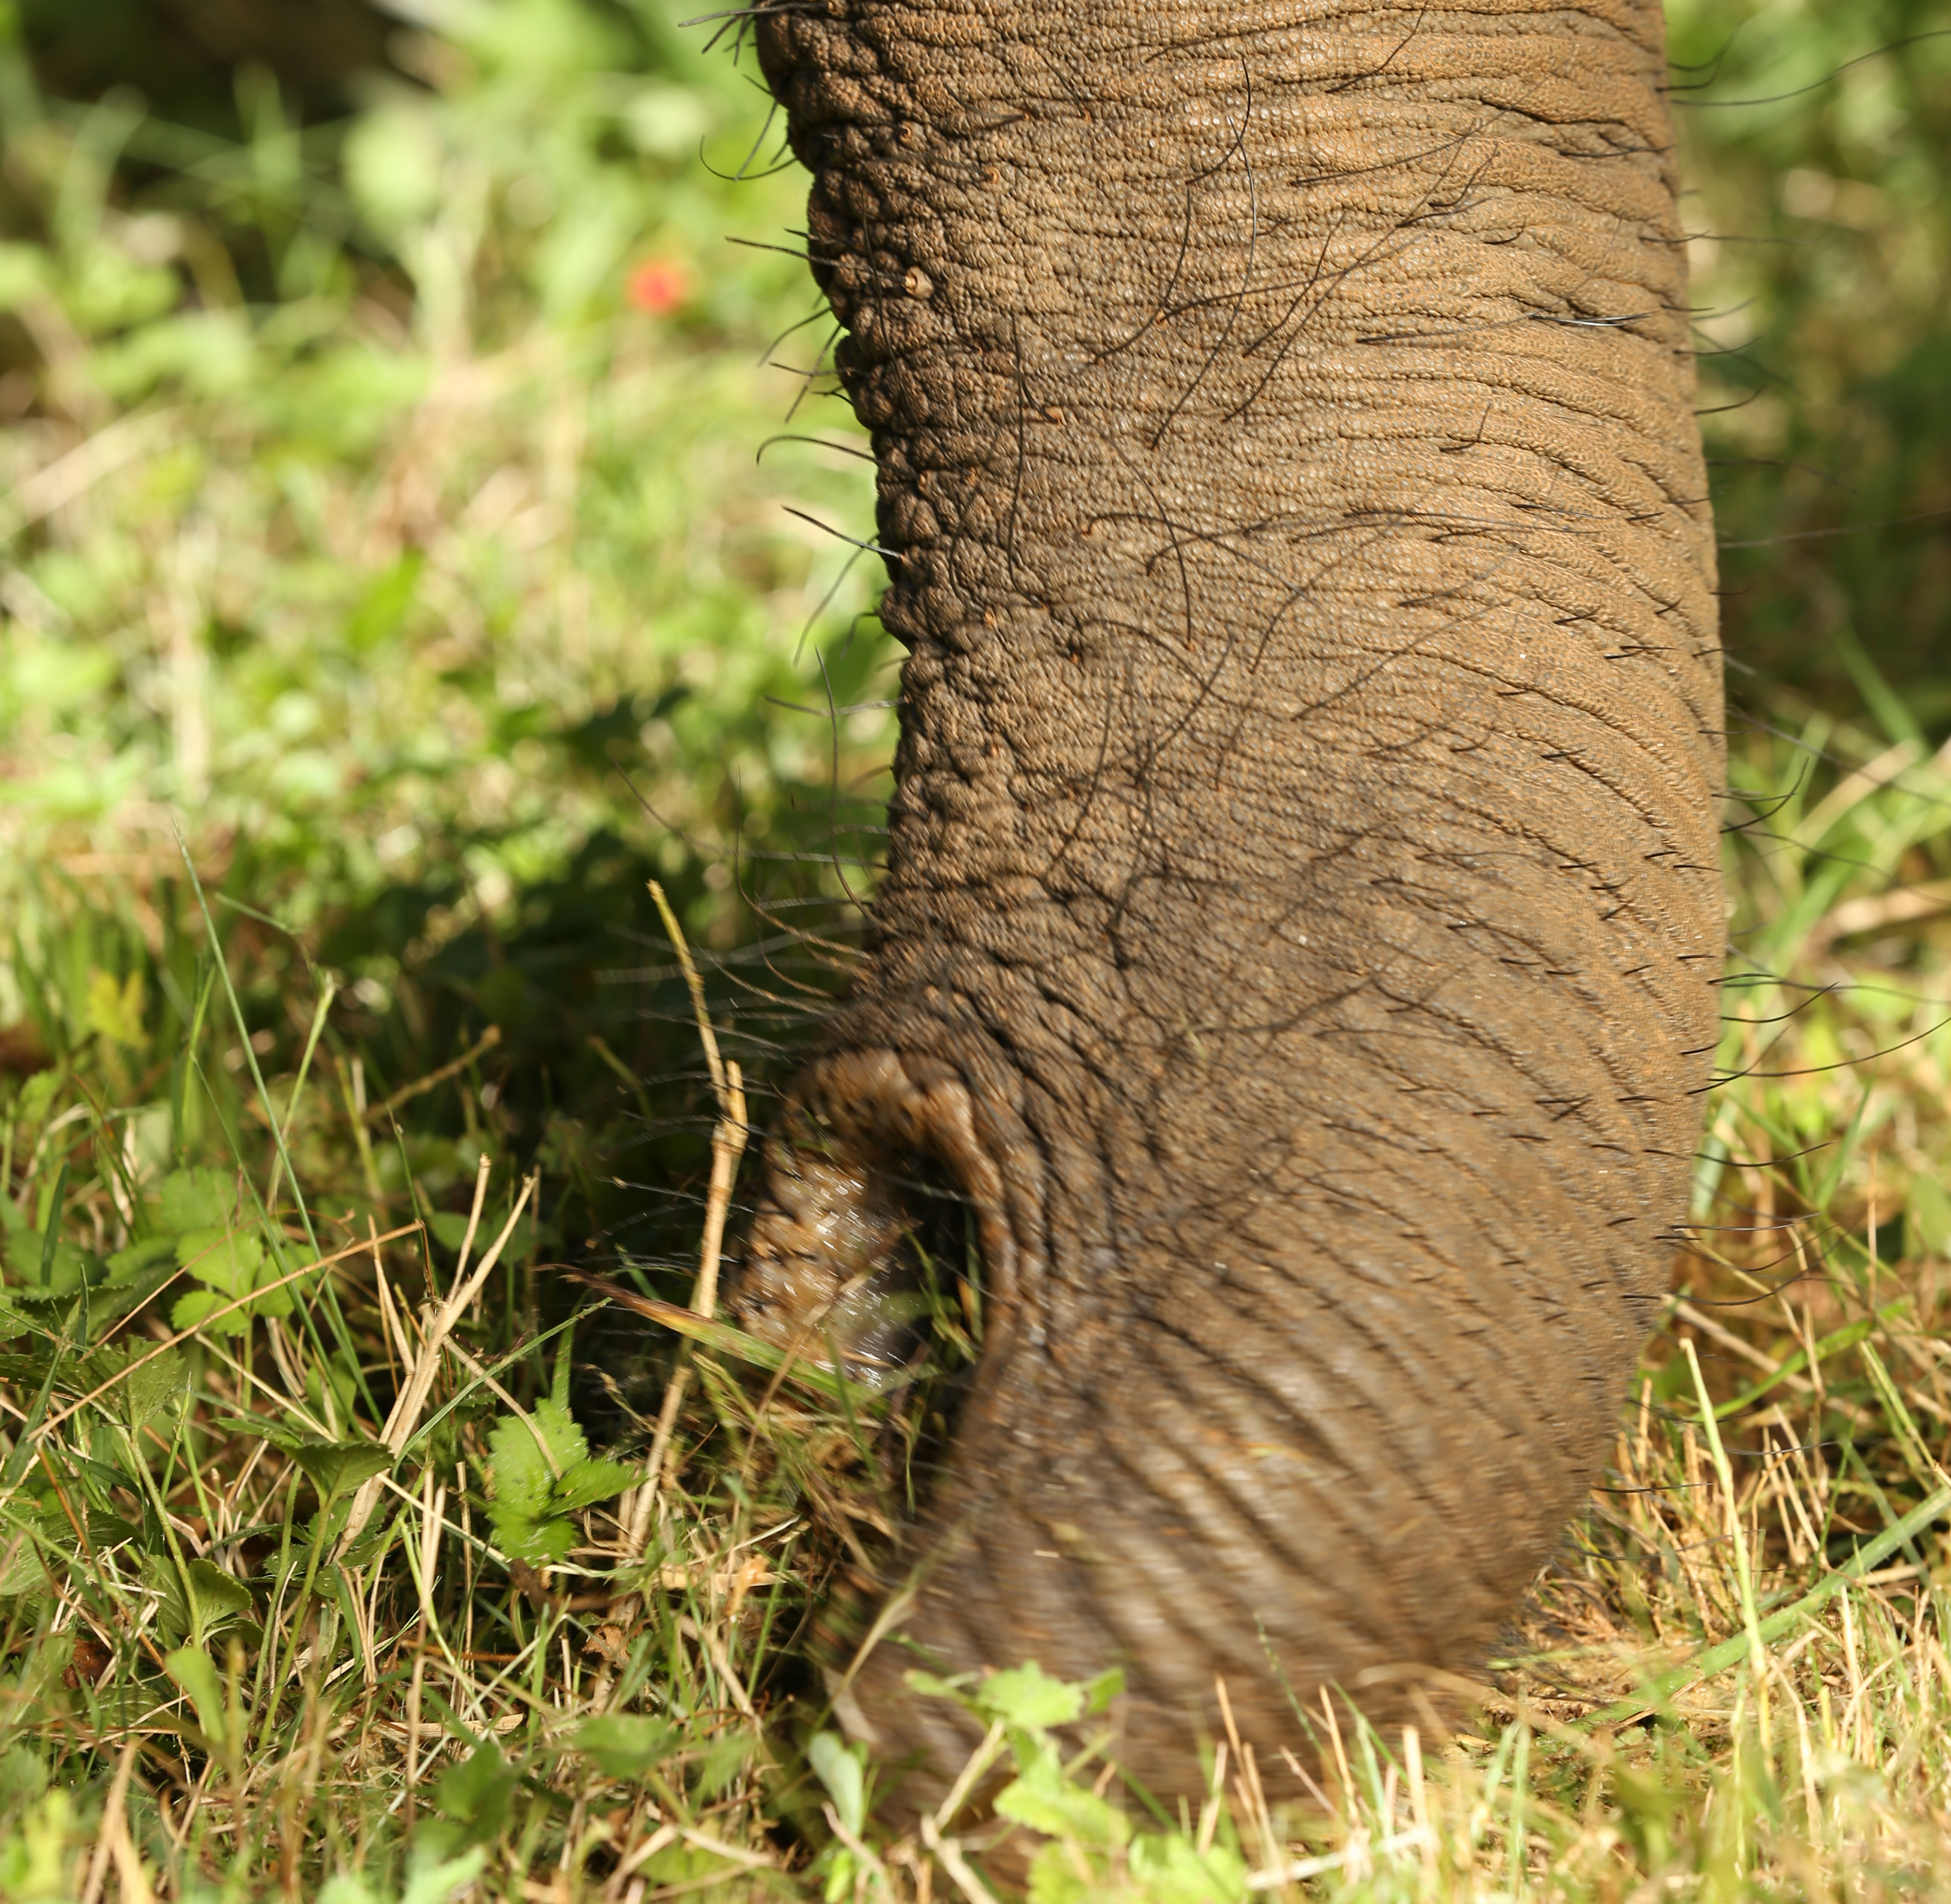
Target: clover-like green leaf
(1100, 1691)
(44, 1263)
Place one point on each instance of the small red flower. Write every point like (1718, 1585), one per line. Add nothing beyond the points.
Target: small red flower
(659, 285)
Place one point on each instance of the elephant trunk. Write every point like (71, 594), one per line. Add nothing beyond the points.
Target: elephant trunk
(1302, 912)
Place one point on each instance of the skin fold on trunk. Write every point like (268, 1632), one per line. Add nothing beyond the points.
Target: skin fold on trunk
(1302, 916)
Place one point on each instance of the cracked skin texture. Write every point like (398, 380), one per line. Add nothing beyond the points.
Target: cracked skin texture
(1303, 912)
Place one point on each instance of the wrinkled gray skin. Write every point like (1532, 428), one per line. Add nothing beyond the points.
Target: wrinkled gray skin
(1302, 912)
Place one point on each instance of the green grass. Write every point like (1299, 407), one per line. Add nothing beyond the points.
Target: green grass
(388, 599)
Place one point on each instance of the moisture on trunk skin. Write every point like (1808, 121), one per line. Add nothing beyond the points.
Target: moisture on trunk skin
(1302, 914)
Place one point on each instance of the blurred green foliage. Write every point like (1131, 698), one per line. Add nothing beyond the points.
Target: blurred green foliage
(380, 503)
(415, 536)
(1815, 137)
(184, 54)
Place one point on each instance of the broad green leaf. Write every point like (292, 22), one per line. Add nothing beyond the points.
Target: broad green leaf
(228, 1259)
(532, 1493)
(841, 1867)
(1055, 1878)
(476, 1793)
(1026, 1697)
(335, 1468)
(115, 1011)
(451, 1227)
(231, 1261)
(37, 1098)
(518, 1471)
(1042, 1798)
(430, 1879)
(724, 1763)
(839, 1767)
(126, 1265)
(1931, 1209)
(441, 1880)
(194, 1308)
(591, 1481)
(44, 1262)
(528, 1536)
(273, 1302)
(34, 1528)
(933, 1685)
(566, 1445)
(450, 1231)
(220, 1599)
(40, 1866)
(156, 1388)
(351, 1887)
(1099, 1692)
(24, 1774)
(191, 1310)
(1168, 1869)
(190, 1668)
(195, 1199)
